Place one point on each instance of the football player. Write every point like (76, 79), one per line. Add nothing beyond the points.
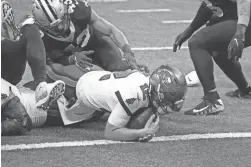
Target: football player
(19, 109)
(69, 27)
(227, 33)
(20, 46)
(123, 93)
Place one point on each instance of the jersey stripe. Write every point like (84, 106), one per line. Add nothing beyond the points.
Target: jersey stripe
(127, 110)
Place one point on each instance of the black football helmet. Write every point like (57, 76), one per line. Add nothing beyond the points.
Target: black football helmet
(167, 89)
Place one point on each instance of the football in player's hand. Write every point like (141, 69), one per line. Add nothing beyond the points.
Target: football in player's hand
(139, 118)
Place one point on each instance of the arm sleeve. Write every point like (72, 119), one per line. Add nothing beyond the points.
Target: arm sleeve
(203, 15)
(35, 52)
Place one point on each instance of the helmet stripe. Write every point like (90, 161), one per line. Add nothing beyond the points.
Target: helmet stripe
(50, 7)
(46, 14)
(45, 6)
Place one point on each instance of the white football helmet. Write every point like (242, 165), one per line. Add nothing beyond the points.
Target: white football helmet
(52, 16)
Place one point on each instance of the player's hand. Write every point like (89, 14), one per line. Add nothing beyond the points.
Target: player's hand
(79, 56)
(181, 38)
(236, 45)
(81, 59)
(152, 125)
(144, 69)
(131, 61)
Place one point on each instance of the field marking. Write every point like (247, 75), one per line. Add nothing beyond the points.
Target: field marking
(106, 1)
(143, 10)
(176, 21)
(156, 48)
(109, 142)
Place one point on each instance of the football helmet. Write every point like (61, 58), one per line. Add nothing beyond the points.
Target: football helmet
(53, 16)
(168, 88)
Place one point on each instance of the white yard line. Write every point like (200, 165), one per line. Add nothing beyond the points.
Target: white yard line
(143, 10)
(106, 1)
(108, 142)
(176, 21)
(156, 48)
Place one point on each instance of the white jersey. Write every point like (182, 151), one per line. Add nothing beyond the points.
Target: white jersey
(27, 98)
(121, 93)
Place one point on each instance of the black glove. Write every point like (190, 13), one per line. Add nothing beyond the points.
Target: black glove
(144, 69)
(236, 45)
(129, 57)
(181, 38)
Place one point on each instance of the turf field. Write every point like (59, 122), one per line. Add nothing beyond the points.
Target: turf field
(222, 140)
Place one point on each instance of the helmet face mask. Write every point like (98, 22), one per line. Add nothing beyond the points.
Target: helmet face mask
(167, 89)
(53, 17)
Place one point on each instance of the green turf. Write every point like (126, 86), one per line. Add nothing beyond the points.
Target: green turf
(146, 30)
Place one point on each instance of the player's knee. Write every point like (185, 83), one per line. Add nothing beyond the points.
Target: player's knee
(196, 41)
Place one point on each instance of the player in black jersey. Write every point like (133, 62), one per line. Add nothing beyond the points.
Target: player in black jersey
(227, 33)
(20, 46)
(69, 27)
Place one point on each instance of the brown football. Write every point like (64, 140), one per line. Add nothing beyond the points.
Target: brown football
(139, 118)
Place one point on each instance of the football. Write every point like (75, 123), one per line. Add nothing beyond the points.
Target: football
(139, 118)
(192, 79)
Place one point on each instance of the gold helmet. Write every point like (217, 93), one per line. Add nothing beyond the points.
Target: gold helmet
(52, 16)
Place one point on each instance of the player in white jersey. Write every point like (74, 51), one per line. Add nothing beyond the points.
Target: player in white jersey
(19, 109)
(122, 94)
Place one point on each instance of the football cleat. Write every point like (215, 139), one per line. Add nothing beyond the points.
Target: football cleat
(246, 94)
(206, 107)
(11, 31)
(47, 93)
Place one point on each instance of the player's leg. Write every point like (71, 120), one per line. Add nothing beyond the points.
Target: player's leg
(201, 46)
(108, 55)
(13, 57)
(15, 119)
(234, 72)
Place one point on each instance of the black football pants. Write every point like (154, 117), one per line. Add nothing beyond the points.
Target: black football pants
(212, 41)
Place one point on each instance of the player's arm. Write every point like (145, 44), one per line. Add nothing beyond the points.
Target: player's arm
(115, 128)
(236, 45)
(106, 28)
(35, 52)
(203, 15)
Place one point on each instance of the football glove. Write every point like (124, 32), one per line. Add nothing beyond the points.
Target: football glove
(236, 45)
(81, 60)
(144, 69)
(130, 60)
(181, 38)
(129, 57)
